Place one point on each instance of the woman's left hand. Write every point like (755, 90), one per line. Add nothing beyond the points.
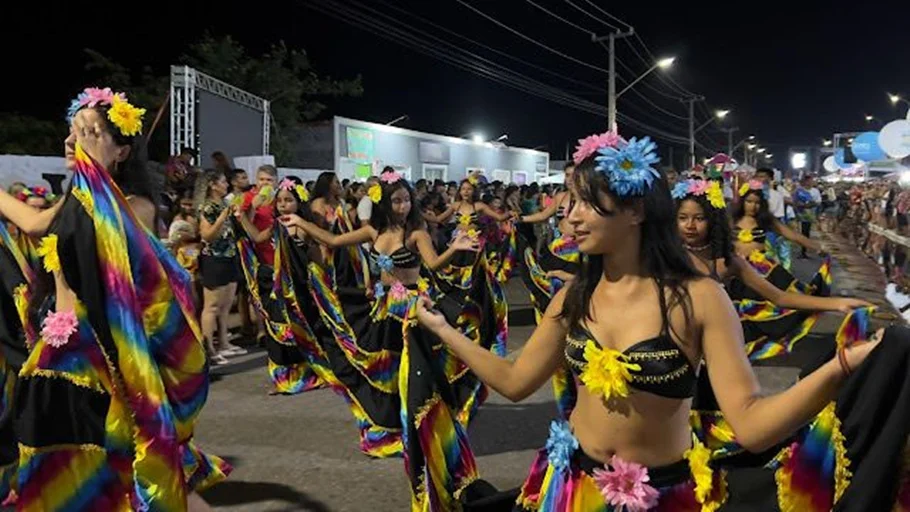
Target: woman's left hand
(96, 141)
(465, 243)
(847, 304)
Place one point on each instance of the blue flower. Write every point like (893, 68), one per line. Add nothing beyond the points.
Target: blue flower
(385, 263)
(561, 445)
(681, 190)
(378, 290)
(629, 168)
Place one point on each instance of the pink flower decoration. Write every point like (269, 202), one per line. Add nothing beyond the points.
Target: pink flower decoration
(697, 187)
(625, 484)
(286, 184)
(590, 144)
(95, 96)
(398, 291)
(756, 185)
(58, 327)
(389, 177)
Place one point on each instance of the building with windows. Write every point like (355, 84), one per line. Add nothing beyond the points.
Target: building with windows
(358, 149)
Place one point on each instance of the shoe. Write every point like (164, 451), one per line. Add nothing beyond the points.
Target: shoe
(218, 359)
(233, 350)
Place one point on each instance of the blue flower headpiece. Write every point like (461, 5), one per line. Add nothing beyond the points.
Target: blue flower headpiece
(629, 167)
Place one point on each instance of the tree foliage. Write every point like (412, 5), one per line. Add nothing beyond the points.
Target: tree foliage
(281, 75)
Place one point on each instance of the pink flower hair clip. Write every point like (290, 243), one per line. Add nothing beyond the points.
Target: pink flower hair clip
(286, 184)
(590, 144)
(389, 177)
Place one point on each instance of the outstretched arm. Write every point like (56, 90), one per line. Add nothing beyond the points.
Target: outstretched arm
(751, 278)
(32, 221)
(795, 237)
(516, 380)
(544, 214)
(359, 236)
(759, 422)
(431, 258)
(489, 212)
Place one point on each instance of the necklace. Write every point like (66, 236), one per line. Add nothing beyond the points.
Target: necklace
(697, 249)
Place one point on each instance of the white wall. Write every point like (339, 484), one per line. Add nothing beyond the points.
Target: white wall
(30, 169)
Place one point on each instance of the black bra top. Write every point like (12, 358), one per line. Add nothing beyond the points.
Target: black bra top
(401, 258)
(665, 369)
(758, 235)
(563, 211)
(459, 216)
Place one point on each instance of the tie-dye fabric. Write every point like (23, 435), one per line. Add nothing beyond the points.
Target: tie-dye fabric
(137, 350)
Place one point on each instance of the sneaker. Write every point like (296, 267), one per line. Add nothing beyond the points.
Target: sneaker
(218, 359)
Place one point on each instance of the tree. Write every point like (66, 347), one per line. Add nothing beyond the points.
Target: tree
(283, 76)
(27, 135)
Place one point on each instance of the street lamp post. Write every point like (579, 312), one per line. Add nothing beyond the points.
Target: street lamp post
(895, 99)
(729, 132)
(611, 84)
(720, 114)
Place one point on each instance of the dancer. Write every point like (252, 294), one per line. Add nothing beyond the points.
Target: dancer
(348, 266)
(752, 222)
(284, 319)
(114, 381)
(407, 392)
(628, 441)
(769, 330)
(467, 210)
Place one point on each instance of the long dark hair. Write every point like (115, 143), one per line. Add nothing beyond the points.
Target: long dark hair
(132, 175)
(382, 217)
(719, 233)
(323, 185)
(764, 219)
(661, 251)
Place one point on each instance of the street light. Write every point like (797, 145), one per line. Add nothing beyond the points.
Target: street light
(826, 142)
(751, 146)
(869, 118)
(662, 64)
(894, 98)
(769, 155)
(478, 138)
(751, 137)
(760, 150)
(502, 137)
(720, 114)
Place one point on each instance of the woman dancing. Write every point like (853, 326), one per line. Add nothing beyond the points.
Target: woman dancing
(628, 442)
(752, 221)
(769, 330)
(348, 266)
(467, 210)
(407, 392)
(285, 313)
(115, 378)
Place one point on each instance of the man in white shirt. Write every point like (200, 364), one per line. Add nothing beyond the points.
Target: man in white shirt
(776, 202)
(365, 206)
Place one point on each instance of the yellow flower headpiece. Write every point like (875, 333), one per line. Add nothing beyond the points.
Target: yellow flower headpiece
(375, 193)
(126, 117)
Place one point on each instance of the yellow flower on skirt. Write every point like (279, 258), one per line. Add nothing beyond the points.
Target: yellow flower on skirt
(607, 371)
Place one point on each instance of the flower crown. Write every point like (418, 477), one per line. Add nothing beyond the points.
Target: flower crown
(629, 166)
(375, 191)
(751, 185)
(290, 185)
(698, 187)
(122, 114)
(38, 191)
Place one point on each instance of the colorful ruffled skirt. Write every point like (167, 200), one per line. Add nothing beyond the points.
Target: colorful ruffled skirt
(565, 479)
(75, 433)
(853, 456)
(286, 315)
(770, 330)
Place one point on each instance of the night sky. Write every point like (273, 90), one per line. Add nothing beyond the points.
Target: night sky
(791, 72)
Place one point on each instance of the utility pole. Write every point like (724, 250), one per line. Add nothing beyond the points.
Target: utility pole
(730, 132)
(691, 101)
(611, 85)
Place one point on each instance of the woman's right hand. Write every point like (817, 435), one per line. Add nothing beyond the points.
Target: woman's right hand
(464, 242)
(293, 219)
(428, 317)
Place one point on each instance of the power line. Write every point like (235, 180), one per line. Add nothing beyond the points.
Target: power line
(588, 13)
(560, 18)
(530, 39)
(491, 49)
(501, 75)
